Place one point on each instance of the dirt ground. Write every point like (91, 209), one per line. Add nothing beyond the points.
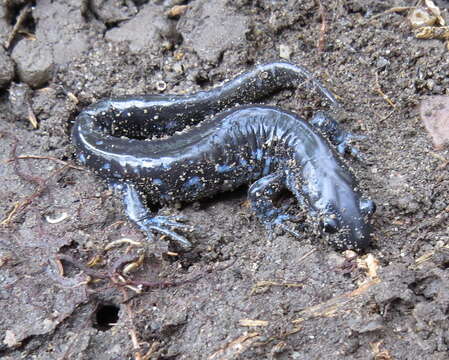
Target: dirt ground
(238, 294)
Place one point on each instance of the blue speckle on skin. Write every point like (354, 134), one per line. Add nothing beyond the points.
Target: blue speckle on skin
(223, 168)
(99, 142)
(272, 212)
(258, 154)
(243, 162)
(106, 166)
(266, 168)
(116, 185)
(281, 218)
(157, 182)
(171, 124)
(165, 197)
(81, 158)
(193, 182)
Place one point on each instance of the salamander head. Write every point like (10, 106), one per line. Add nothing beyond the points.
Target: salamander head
(347, 222)
(331, 193)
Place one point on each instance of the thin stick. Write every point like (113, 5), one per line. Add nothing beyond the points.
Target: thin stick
(381, 93)
(323, 28)
(31, 117)
(392, 10)
(40, 157)
(22, 16)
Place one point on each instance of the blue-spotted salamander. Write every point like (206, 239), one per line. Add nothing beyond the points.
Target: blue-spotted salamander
(157, 149)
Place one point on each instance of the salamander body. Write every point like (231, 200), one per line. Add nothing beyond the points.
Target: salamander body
(267, 147)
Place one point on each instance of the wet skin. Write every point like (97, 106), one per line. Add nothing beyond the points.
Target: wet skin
(267, 147)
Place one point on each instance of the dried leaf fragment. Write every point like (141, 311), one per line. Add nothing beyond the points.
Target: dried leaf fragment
(176, 11)
(435, 10)
(285, 51)
(251, 323)
(235, 347)
(431, 32)
(420, 17)
(370, 264)
(378, 353)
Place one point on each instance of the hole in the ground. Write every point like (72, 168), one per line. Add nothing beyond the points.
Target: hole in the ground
(106, 316)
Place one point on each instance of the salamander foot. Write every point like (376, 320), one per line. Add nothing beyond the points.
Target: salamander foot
(148, 222)
(336, 135)
(345, 147)
(279, 222)
(166, 225)
(262, 194)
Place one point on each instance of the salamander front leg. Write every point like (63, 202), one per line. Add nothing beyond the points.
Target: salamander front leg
(336, 135)
(262, 194)
(148, 222)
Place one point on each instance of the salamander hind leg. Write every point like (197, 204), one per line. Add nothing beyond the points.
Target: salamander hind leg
(262, 194)
(139, 213)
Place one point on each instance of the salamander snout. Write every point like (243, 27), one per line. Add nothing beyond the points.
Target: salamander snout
(349, 229)
(357, 238)
(356, 235)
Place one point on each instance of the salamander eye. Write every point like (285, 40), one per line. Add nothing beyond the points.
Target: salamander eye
(330, 225)
(367, 207)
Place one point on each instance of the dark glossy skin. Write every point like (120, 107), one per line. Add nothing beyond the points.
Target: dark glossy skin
(150, 116)
(267, 147)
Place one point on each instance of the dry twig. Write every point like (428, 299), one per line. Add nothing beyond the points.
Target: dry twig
(20, 19)
(378, 89)
(393, 10)
(323, 28)
(31, 117)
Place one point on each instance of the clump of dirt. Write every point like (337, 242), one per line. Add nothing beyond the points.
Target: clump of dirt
(79, 281)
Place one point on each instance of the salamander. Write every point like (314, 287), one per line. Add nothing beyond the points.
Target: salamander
(160, 149)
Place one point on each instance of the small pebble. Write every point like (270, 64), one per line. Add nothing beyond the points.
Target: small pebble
(161, 85)
(434, 112)
(382, 63)
(19, 100)
(34, 62)
(177, 67)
